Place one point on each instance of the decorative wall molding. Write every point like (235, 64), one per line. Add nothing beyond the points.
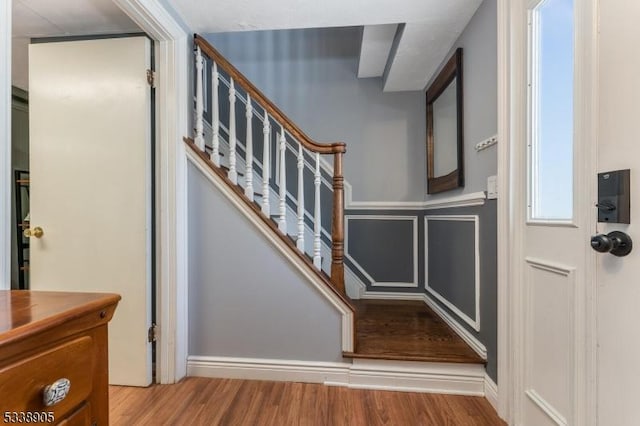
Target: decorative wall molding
(443, 378)
(336, 302)
(546, 408)
(491, 391)
(473, 322)
(465, 334)
(464, 200)
(374, 283)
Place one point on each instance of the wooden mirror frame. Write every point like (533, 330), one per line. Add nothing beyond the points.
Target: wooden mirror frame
(451, 71)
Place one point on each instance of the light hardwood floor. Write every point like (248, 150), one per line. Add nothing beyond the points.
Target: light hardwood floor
(201, 401)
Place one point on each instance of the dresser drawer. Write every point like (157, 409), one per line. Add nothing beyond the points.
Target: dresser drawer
(81, 417)
(22, 383)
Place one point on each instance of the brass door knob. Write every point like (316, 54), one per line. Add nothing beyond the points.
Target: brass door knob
(35, 232)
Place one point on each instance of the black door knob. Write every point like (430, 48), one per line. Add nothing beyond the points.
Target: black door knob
(601, 243)
(617, 243)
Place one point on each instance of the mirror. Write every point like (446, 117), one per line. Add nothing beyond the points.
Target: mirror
(444, 128)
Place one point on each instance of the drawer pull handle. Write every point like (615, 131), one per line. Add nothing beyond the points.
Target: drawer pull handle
(56, 392)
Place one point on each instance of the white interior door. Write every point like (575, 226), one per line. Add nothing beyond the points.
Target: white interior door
(619, 277)
(90, 164)
(556, 212)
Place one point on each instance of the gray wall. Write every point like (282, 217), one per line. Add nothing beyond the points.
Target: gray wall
(479, 41)
(245, 298)
(455, 253)
(451, 260)
(311, 75)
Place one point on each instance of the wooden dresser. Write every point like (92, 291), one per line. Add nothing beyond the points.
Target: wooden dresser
(46, 337)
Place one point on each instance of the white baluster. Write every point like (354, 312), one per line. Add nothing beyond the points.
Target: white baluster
(266, 165)
(317, 219)
(300, 240)
(199, 140)
(248, 189)
(282, 223)
(233, 174)
(215, 155)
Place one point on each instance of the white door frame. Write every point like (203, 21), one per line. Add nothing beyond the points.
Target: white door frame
(173, 56)
(512, 202)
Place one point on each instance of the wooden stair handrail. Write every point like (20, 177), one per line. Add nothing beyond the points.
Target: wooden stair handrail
(262, 100)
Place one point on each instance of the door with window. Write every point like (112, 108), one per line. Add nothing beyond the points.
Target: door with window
(91, 184)
(556, 212)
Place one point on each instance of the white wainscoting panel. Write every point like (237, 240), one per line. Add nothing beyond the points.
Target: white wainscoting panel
(374, 283)
(473, 322)
(549, 367)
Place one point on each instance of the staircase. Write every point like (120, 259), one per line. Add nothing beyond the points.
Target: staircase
(282, 139)
(281, 176)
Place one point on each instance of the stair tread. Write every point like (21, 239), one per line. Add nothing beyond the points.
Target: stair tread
(407, 331)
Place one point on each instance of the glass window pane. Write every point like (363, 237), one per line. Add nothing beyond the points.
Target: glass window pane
(551, 137)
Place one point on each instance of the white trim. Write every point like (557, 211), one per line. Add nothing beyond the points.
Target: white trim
(586, 130)
(5, 146)
(285, 250)
(463, 200)
(173, 56)
(473, 322)
(373, 282)
(491, 391)
(269, 369)
(546, 408)
(442, 378)
(354, 286)
(389, 295)
(506, 215)
(464, 334)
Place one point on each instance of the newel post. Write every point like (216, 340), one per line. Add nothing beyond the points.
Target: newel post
(337, 225)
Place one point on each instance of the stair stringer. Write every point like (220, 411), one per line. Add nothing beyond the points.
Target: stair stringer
(347, 315)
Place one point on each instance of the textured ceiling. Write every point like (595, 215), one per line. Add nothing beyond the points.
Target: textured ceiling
(48, 18)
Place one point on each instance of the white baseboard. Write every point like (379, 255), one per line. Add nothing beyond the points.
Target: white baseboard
(491, 391)
(429, 377)
(408, 376)
(390, 295)
(469, 338)
(267, 369)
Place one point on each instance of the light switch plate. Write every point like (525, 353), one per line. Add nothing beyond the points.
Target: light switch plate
(492, 187)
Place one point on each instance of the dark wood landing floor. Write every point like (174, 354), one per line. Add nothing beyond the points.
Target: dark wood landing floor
(198, 401)
(407, 331)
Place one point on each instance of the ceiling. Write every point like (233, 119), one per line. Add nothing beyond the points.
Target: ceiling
(52, 18)
(406, 58)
